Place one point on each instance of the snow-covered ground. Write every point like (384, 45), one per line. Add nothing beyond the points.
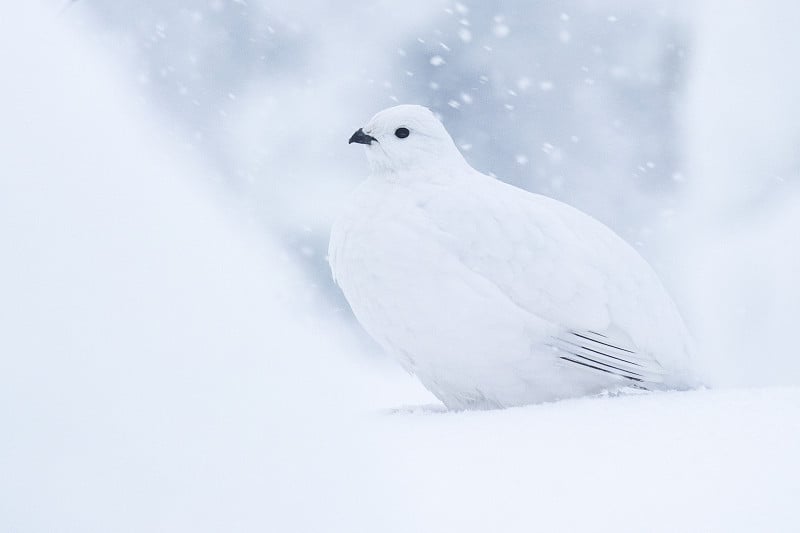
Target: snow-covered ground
(164, 367)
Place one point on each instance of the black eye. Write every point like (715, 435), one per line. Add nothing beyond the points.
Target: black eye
(402, 133)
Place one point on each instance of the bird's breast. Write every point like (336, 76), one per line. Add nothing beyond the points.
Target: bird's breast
(414, 295)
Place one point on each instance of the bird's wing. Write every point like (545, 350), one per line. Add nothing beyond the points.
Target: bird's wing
(601, 353)
(609, 309)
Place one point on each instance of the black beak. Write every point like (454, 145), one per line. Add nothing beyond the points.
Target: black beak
(361, 138)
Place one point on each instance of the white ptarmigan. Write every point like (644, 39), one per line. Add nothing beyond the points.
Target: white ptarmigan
(493, 296)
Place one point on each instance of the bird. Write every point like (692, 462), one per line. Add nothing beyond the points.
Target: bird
(493, 296)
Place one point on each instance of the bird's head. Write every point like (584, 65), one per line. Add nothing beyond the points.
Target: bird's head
(407, 138)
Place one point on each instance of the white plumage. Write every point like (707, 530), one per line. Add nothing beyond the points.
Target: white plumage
(490, 295)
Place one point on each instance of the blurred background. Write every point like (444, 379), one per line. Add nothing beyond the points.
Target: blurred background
(580, 100)
(169, 172)
(672, 122)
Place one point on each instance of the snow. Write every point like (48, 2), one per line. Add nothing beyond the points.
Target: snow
(164, 367)
(742, 205)
(673, 462)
